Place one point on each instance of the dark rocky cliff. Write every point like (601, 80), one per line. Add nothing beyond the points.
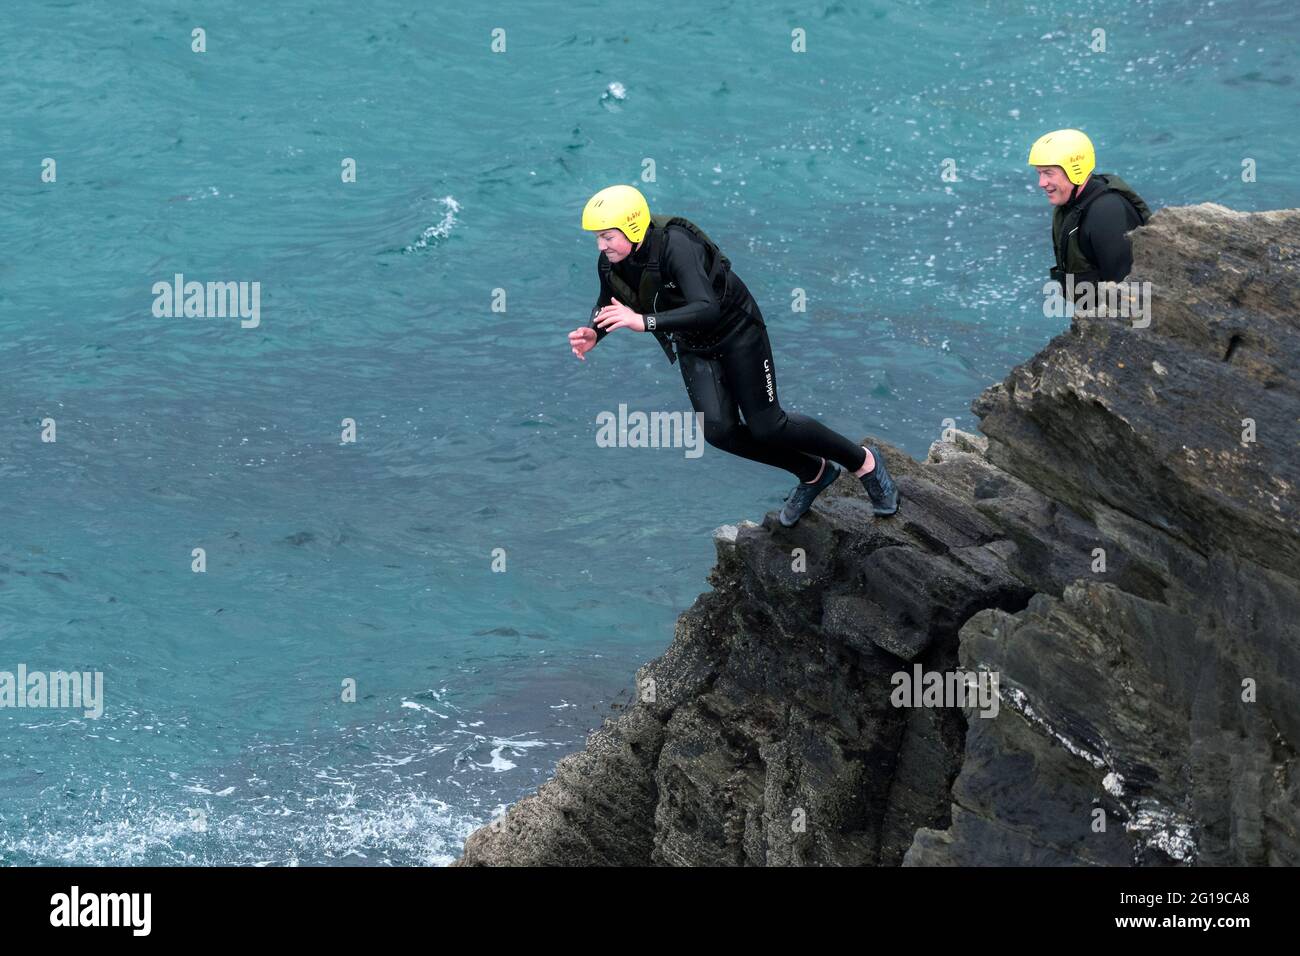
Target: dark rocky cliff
(1113, 551)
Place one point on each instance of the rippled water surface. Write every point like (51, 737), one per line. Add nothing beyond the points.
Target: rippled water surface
(224, 738)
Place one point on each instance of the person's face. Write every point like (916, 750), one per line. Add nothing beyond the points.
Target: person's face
(1053, 181)
(614, 244)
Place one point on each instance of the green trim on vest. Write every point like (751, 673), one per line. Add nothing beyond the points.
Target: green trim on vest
(1068, 220)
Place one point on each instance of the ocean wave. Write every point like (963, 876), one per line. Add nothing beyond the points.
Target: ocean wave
(409, 828)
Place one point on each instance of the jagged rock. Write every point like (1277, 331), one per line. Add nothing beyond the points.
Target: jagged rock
(1113, 552)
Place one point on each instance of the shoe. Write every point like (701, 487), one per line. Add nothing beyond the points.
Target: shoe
(880, 487)
(798, 501)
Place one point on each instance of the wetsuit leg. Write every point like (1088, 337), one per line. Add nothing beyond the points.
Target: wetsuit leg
(707, 387)
(748, 366)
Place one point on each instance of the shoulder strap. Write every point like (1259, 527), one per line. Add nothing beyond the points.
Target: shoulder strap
(655, 253)
(716, 260)
(716, 255)
(1124, 189)
(1113, 184)
(1110, 184)
(1073, 220)
(626, 294)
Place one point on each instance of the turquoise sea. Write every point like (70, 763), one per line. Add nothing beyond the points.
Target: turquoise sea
(224, 736)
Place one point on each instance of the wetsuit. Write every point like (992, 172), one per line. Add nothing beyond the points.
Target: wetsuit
(1101, 235)
(726, 360)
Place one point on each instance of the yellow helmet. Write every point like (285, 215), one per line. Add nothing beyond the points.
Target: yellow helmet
(618, 207)
(1068, 148)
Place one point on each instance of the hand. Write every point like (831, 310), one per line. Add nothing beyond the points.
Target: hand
(582, 341)
(618, 316)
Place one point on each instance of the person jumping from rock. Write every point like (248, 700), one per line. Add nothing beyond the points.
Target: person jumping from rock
(663, 275)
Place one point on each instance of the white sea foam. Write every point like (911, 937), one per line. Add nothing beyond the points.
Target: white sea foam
(198, 788)
(500, 746)
(410, 827)
(298, 803)
(412, 705)
(441, 229)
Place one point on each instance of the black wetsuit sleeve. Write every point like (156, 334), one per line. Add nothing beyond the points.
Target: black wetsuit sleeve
(1103, 239)
(603, 299)
(683, 263)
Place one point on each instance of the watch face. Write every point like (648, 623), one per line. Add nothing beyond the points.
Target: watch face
(649, 321)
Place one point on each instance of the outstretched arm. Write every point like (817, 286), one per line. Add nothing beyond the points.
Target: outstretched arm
(584, 338)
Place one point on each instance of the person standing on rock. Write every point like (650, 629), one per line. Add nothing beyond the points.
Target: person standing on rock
(1093, 214)
(663, 275)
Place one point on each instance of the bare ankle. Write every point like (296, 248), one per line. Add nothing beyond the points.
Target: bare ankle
(867, 466)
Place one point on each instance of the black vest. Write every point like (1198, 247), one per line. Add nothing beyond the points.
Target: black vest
(652, 295)
(1067, 221)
